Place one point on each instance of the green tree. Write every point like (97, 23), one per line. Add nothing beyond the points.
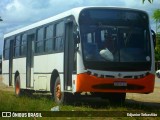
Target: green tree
(151, 1)
(156, 17)
(157, 49)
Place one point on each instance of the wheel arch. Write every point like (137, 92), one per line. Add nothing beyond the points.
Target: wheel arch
(54, 75)
(15, 76)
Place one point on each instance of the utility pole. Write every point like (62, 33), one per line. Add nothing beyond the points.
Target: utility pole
(1, 55)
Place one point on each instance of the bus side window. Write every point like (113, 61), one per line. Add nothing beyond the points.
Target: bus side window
(17, 46)
(40, 41)
(48, 38)
(59, 37)
(6, 49)
(24, 44)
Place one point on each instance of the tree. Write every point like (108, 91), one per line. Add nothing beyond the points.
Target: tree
(157, 49)
(0, 60)
(151, 1)
(156, 17)
(0, 19)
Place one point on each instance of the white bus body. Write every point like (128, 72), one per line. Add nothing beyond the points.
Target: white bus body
(56, 47)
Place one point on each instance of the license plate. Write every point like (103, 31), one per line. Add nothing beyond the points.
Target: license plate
(120, 84)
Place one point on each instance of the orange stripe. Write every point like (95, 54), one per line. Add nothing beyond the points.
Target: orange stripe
(86, 82)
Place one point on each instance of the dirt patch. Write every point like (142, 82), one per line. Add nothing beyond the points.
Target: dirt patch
(152, 97)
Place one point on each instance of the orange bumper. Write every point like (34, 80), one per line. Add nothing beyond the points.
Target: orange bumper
(89, 83)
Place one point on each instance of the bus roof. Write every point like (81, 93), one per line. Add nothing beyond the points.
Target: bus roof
(75, 12)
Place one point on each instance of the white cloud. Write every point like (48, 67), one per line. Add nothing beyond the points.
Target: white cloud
(33, 10)
(17, 11)
(15, 5)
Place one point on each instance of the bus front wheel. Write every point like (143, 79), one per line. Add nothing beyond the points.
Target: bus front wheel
(117, 98)
(59, 96)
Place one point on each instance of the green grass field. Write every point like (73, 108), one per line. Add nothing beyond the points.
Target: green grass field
(41, 102)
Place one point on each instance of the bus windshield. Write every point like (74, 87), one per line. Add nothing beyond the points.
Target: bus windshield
(115, 36)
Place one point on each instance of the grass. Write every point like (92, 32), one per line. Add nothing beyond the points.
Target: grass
(10, 102)
(39, 102)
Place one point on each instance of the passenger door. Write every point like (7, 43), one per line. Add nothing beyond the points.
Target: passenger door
(68, 55)
(29, 60)
(11, 54)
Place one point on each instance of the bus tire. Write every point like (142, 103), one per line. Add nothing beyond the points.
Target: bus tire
(21, 92)
(117, 98)
(18, 91)
(59, 96)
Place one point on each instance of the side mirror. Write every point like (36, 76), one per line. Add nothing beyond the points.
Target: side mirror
(154, 38)
(76, 40)
(76, 37)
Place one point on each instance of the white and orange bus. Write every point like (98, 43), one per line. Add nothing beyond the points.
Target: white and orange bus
(107, 51)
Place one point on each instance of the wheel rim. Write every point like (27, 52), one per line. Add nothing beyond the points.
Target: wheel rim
(58, 92)
(17, 88)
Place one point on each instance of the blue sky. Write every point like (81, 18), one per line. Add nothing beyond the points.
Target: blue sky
(19, 13)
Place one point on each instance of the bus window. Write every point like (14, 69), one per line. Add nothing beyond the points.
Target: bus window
(6, 49)
(48, 38)
(17, 46)
(89, 38)
(59, 37)
(39, 41)
(122, 37)
(23, 44)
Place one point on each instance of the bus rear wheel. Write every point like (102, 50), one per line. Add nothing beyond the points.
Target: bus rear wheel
(17, 86)
(21, 92)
